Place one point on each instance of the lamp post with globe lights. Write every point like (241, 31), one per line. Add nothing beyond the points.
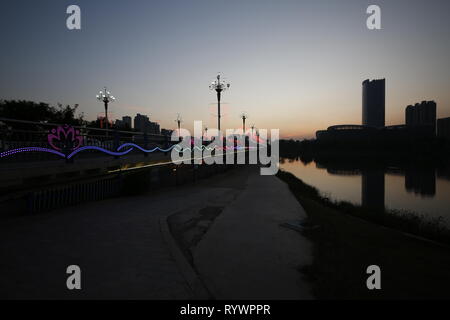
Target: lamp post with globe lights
(106, 97)
(244, 117)
(178, 120)
(219, 85)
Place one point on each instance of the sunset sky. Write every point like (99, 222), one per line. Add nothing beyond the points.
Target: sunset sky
(293, 65)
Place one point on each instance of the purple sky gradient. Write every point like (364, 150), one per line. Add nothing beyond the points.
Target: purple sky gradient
(293, 65)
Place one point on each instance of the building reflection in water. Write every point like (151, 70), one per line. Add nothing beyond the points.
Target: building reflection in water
(421, 181)
(411, 186)
(372, 189)
(418, 180)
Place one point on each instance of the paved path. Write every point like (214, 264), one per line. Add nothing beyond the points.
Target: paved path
(246, 254)
(121, 250)
(117, 244)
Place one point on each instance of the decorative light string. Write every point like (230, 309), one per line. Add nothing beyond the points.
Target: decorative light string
(118, 152)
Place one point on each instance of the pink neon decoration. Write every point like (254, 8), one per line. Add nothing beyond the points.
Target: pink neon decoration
(65, 137)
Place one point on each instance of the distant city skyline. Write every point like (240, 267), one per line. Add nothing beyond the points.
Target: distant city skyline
(293, 65)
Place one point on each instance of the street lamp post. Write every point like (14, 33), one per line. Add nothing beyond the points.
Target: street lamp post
(106, 97)
(244, 116)
(178, 121)
(219, 85)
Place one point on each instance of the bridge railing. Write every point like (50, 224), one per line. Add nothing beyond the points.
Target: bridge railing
(62, 196)
(15, 134)
(126, 183)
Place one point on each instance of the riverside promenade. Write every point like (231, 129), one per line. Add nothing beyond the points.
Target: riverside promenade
(134, 247)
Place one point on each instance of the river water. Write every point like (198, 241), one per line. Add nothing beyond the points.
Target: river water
(424, 190)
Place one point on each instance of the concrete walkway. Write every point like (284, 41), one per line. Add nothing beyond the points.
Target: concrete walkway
(117, 243)
(246, 254)
(123, 252)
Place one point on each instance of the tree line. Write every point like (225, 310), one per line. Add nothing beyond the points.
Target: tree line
(40, 112)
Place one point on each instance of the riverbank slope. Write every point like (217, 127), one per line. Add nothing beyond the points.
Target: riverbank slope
(344, 246)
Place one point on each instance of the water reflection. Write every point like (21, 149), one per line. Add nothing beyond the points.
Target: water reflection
(418, 187)
(372, 189)
(422, 181)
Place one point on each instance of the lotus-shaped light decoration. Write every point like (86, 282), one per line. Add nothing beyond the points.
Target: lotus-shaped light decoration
(65, 138)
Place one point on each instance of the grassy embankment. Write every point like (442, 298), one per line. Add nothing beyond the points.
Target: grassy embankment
(350, 238)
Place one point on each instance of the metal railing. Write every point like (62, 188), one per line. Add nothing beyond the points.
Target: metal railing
(63, 196)
(165, 175)
(15, 134)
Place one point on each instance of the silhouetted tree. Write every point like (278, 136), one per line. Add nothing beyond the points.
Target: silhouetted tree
(40, 112)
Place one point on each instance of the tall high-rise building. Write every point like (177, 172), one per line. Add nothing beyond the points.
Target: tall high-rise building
(166, 132)
(142, 123)
(421, 114)
(127, 122)
(373, 103)
(443, 128)
(153, 127)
